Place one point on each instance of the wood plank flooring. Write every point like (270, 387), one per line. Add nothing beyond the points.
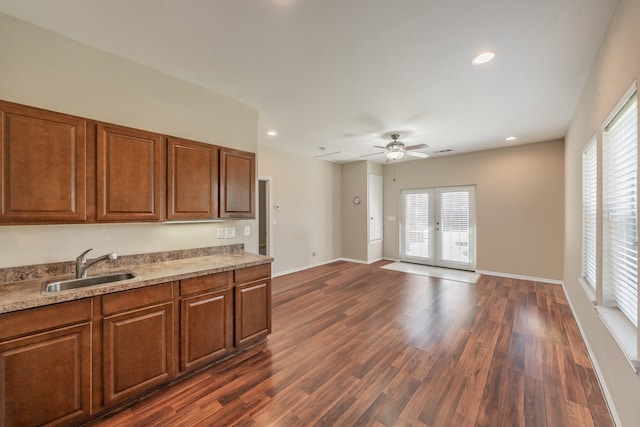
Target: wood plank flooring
(357, 345)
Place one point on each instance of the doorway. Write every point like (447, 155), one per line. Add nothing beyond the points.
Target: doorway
(438, 227)
(264, 217)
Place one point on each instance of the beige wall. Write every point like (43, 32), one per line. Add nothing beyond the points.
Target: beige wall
(309, 219)
(519, 204)
(43, 69)
(617, 66)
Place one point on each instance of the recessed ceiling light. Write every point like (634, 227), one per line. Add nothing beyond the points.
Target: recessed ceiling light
(510, 138)
(272, 133)
(483, 58)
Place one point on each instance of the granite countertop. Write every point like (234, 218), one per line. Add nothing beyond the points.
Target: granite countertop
(25, 294)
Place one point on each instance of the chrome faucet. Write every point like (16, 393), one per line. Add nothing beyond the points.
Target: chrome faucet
(82, 264)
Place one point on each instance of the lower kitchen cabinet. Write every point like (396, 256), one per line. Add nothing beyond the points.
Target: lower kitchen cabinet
(45, 373)
(64, 363)
(252, 304)
(205, 328)
(137, 341)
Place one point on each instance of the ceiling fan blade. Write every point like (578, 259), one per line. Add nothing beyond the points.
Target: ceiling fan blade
(416, 147)
(417, 154)
(378, 146)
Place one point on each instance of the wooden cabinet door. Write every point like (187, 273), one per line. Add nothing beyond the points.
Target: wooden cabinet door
(252, 311)
(192, 180)
(237, 183)
(137, 351)
(137, 342)
(42, 166)
(130, 171)
(45, 378)
(206, 325)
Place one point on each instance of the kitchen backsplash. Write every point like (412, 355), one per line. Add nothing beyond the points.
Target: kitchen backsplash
(38, 271)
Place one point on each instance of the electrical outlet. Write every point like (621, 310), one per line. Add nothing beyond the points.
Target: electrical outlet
(247, 230)
(220, 233)
(313, 253)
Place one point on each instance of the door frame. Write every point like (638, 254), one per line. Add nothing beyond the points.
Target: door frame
(267, 213)
(435, 236)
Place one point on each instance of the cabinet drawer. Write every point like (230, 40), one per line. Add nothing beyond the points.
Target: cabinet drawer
(127, 300)
(38, 319)
(249, 274)
(209, 282)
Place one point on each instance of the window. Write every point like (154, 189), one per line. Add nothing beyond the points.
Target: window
(620, 211)
(610, 228)
(589, 212)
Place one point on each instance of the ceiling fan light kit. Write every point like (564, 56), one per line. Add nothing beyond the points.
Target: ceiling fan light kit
(396, 149)
(395, 155)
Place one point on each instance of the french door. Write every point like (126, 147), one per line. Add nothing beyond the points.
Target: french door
(438, 227)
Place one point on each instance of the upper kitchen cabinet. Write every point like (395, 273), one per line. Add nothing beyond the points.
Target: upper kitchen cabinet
(237, 183)
(192, 180)
(130, 174)
(42, 166)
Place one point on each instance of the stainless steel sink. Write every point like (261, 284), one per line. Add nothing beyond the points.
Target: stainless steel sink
(64, 285)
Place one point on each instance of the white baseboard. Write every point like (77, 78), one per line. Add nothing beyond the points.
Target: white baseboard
(517, 276)
(357, 261)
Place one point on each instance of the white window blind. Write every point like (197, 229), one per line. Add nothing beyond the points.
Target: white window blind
(455, 226)
(620, 211)
(589, 205)
(416, 232)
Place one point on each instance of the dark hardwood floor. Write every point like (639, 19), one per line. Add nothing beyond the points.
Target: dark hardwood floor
(356, 345)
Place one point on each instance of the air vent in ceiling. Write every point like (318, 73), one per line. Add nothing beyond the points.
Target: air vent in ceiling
(338, 157)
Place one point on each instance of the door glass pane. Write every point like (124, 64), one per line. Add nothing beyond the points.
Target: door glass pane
(416, 211)
(454, 226)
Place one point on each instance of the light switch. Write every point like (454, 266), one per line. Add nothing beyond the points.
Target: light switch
(247, 230)
(229, 232)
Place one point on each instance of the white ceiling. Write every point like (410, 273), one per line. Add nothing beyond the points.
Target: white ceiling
(343, 74)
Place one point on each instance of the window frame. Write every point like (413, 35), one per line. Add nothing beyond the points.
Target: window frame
(590, 270)
(623, 330)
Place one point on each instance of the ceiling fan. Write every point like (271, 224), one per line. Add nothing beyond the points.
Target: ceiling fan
(396, 149)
